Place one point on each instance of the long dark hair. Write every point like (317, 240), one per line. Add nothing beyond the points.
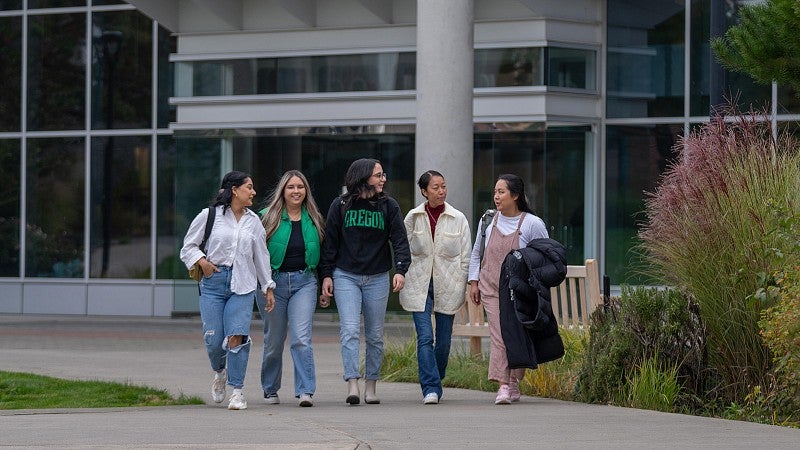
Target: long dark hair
(357, 180)
(516, 186)
(229, 181)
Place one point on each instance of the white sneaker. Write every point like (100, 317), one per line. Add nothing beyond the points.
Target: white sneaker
(430, 399)
(272, 399)
(503, 396)
(237, 400)
(305, 400)
(218, 386)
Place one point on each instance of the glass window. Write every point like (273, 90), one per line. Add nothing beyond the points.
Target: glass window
(35, 4)
(788, 100)
(10, 72)
(8, 5)
(501, 67)
(645, 58)
(120, 207)
(54, 188)
(166, 77)
(636, 156)
(711, 83)
(168, 240)
(9, 207)
(293, 75)
(571, 68)
(56, 72)
(544, 160)
(122, 70)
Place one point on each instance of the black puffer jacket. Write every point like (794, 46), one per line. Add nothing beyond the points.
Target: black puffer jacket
(529, 328)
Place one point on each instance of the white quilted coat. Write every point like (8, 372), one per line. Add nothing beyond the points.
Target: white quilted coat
(446, 258)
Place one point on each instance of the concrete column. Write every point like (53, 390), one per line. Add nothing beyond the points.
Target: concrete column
(444, 96)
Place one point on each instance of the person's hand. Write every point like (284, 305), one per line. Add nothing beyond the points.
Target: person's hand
(327, 287)
(270, 295)
(474, 293)
(207, 267)
(324, 301)
(398, 282)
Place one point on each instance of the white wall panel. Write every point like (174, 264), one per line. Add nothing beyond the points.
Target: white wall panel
(163, 298)
(354, 111)
(282, 43)
(54, 298)
(10, 298)
(120, 300)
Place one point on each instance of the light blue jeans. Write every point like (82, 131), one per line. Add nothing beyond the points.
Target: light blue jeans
(226, 314)
(432, 355)
(295, 302)
(356, 295)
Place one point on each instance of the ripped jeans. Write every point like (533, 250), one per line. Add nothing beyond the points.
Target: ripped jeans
(226, 314)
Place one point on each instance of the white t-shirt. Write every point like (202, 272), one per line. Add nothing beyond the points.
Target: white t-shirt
(532, 228)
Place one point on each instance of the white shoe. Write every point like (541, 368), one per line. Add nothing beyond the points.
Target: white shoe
(503, 396)
(430, 399)
(305, 400)
(237, 400)
(218, 386)
(272, 399)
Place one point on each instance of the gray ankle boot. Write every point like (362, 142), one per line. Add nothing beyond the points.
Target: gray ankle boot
(369, 393)
(353, 396)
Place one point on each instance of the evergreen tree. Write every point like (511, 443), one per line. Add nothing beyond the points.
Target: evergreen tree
(765, 44)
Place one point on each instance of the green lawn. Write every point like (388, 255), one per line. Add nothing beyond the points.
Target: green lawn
(28, 391)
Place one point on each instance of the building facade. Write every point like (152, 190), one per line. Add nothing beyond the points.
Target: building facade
(118, 119)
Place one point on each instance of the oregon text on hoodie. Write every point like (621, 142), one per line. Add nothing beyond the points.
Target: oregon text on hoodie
(357, 238)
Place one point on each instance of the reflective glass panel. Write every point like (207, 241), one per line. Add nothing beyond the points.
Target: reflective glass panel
(544, 160)
(571, 68)
(7, 5)
(166, 77)
(501, 67)
(645, 58)
(636, 156)
(54, 188)
(56, 72)
(9, 207)
(168, 265)
(788, 100)
(10, 72)
(120, 202)
(293, 75)
(723, 87)
(122, 70)
(35, 4)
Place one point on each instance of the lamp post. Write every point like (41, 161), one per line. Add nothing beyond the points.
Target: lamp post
(110, 42)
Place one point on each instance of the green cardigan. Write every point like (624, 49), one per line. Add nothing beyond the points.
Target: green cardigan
(278, 242)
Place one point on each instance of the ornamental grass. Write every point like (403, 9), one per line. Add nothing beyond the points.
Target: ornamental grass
(712, 228)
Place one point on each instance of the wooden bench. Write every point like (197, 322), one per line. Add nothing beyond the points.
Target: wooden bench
(573, 302)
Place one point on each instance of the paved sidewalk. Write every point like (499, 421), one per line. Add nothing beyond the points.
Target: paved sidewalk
(168, 353)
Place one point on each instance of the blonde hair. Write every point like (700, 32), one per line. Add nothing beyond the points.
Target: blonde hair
(277, 203)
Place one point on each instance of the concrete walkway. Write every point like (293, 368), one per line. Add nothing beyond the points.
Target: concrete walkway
(168, 354)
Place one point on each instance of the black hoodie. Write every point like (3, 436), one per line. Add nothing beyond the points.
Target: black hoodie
(357, 238)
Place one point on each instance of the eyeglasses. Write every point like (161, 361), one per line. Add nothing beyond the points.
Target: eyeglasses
(380, 175)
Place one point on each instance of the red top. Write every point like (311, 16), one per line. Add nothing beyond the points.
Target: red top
(433, 216)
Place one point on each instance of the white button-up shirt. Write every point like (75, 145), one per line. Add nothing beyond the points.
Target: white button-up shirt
(241, 245)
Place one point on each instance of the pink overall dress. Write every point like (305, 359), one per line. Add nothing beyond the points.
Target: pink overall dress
(498, 246)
